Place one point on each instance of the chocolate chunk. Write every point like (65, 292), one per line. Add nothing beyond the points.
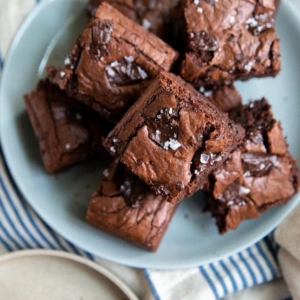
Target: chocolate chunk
(257, 164)
(132, 189)
(162, 133)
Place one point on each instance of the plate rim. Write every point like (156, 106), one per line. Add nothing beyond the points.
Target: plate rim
(75, 258)
(5, 148)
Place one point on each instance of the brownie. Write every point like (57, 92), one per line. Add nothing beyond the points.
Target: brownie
(67, 131)
(125, 206)
(224, 97)
(259, 175)
(173, 137)
(153, 15)
(112, 62)
(229, 40)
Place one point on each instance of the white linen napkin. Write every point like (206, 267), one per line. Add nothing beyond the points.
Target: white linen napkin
(288, 237)
(21, 228)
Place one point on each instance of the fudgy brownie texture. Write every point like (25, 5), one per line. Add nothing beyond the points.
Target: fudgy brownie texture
(224, 97)
(229, 40)
(126, 207)
(256, 177)
(153, 15)
(67, 131)
(173, 137)
(112, 62)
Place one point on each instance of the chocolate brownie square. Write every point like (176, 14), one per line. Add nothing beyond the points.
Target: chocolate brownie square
(112, 62)
(229, 40)
(224, 97)
(67, 131)
(125, 206)
(259, 175)
(173, 137)
(153, 15)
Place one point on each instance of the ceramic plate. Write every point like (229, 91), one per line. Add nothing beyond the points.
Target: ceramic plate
(61, 200)
(49, 274)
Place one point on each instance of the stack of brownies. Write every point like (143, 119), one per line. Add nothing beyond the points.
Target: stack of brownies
(170, 135)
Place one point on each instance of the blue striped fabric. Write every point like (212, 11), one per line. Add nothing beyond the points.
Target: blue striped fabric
(20, 227)
(252, 266)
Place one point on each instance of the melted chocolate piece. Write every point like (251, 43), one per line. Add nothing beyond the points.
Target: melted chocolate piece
(205, 41)
(164, 128)
(125, 72)
(130, 186)
(162, 133)
(257, 164)
(101, 34)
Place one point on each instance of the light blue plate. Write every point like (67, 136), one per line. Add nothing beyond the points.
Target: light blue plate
(61, 200)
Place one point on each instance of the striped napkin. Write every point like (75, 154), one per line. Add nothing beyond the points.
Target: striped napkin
(21, 228)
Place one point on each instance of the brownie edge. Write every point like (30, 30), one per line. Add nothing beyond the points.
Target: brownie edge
(66, 130)
(126, 207)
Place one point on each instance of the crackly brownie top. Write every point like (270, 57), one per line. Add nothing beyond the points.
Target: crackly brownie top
(230, 39)
(113, 61)
(171, 135)
(73, 123)
(125, 206)
(153, 15)
(259, 175)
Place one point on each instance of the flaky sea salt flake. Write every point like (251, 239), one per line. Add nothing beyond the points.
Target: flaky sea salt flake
(67, 61)
(204, 158)
(173, 144)
(146, 24)
(243, 190)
